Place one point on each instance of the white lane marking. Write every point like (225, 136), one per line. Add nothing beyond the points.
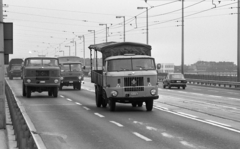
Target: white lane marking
(62, 96)
(218, 123)
(118, 124)
(187, 114)
(195, 89)
(136, 122)
(167, 135)
(215, 96)
(142, 137)
(187, 144)
(161, 107)
(234, 98)
(78, 103)
(98, 114)
(151, 128)
(86, 108)
(197, 94)
(69, 99)
(182, 92)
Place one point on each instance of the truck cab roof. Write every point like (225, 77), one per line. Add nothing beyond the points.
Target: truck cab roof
(127, 56)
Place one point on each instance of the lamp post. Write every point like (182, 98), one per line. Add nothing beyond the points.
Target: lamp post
(106, 30)
(146, 20)
(95, 54)
(69, 50)
(123, 26)
(83, 48)
(182, 65)
(62, 52)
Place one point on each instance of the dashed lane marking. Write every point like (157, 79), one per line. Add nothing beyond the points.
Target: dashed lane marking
(233, 98)
(213, 91)
(215, 96)
(62, 96)
(99, 115)
(116, 123)
(69, 99)
(187, 114)
(78, 103)
(86, 108)
(197, 94)
(142, 137)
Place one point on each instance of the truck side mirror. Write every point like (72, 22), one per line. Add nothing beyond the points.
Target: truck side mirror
(158, 66)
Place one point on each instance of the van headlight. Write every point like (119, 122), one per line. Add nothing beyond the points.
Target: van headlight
(153, 91)
(114, 93)
(28, 81)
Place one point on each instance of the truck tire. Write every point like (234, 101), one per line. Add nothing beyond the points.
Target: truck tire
(28, 92)
(55, 92)
(50, 93)
(140, 104)
(149, 105)
(112, 105)
(60, 87)
(79, 86)
(98, 97)
(134, 104)
(23, 90)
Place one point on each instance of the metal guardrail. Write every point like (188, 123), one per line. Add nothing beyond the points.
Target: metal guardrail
(24, 130)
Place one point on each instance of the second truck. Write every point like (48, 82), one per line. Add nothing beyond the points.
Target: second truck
(128, 75)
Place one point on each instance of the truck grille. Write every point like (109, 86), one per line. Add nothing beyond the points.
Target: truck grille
(133, 84)
(42, 73)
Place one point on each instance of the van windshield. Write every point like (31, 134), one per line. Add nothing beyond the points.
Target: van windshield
(71, 67)
(135, 64)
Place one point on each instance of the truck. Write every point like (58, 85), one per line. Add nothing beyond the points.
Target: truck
(14, 68)
(71, 72)
(41, 74)
(128, 75)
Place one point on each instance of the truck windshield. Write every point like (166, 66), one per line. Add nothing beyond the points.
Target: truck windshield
(42, 62)
(71, 67)
(135, 64)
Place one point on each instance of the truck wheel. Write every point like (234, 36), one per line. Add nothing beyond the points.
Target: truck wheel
(55, 92)
(184, 87)
(134, 104)
(28, 92)
(112, 105)
(164, 86)
(98, 98)
(140, 104)
(149, 105)
(23, 90)
(79, 86)
(50, 93)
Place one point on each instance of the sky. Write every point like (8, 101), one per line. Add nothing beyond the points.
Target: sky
(45, 27)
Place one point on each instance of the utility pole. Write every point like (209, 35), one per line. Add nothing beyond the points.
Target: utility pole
(238, 43)
(182, 65)
(106, 30)
(95, 53)
(83, 50)
(123, 26)
(146, 21)
(2, 73)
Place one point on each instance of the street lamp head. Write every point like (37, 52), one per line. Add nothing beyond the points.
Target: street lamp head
(118, 16)
(102, 24)
(142, 7)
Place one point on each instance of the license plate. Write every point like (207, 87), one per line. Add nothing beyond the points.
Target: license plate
(133, 93)
(70, 81)
(42, 81)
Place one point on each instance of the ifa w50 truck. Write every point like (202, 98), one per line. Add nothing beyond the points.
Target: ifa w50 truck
(128, 75)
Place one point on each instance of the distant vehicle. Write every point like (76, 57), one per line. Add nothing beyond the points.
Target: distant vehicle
(174, 80)
(41, 74)
(128, 75)
(71, 71)
(15, 68)
(71, 75)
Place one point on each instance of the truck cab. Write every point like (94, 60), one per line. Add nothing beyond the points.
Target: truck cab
(129, 75)
(15, 68)
(71, 74)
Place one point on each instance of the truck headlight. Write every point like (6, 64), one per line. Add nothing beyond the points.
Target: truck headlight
(56, 81)
(114, 93)
(28, 81)
(153, 91)
(61, 78)
(79, 77)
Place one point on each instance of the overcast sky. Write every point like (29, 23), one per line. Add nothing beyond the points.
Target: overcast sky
(47, 26)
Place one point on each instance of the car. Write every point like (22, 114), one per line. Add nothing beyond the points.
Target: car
(174, 80)
(41, 74)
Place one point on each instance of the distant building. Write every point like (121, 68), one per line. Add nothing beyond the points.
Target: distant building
(167, 67)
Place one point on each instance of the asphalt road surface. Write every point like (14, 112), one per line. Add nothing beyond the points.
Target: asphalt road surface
(195, 118)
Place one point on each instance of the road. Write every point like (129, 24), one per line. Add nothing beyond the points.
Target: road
(195, 118)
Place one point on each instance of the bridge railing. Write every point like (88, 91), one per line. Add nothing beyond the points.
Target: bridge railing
(211, 80)
(24, 130)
